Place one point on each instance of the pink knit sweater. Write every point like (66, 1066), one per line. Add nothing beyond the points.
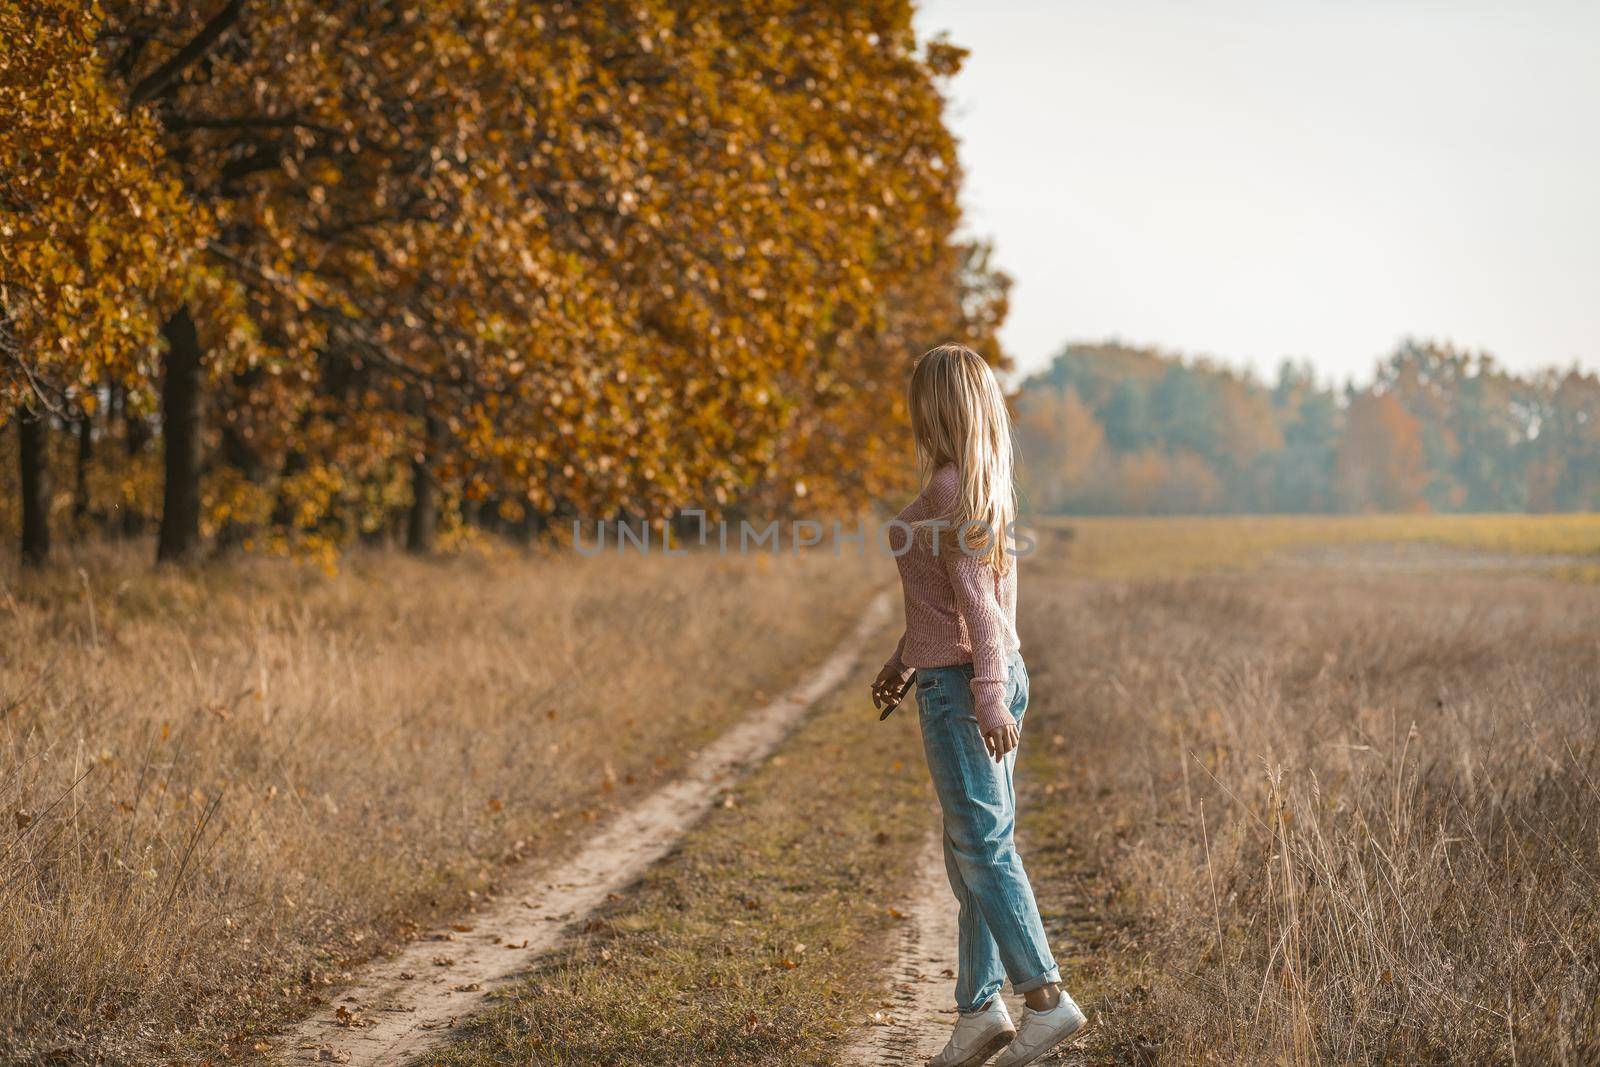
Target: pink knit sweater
(958, 610)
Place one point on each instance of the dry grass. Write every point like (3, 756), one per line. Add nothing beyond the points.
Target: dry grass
(1141, 547)
(221, 790)
(1294, 815)
(761, 939)
(1352, 817)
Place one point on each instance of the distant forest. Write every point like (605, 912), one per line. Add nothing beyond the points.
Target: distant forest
(1115, 429)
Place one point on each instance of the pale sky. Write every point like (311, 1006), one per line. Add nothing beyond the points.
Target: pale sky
(1303, 178)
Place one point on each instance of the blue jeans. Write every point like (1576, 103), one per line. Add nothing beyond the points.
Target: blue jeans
(1001, 934)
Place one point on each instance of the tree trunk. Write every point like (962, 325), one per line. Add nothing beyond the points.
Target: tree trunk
(527, 530)
(423, 520)
(136, 434)
(180, 429)
(33, 429)
(294, 462)
(424, 517)
(80, 488)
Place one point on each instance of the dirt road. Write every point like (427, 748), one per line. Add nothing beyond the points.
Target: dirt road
(400, 1007)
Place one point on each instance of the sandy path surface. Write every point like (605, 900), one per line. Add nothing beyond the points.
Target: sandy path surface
(402, 1006)
(914, 1021)
(912, 1024)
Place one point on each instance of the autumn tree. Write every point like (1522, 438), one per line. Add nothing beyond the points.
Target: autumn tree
(1562, 464)
(1310, 417)
(1059, 440)
(586, 257)
(97, 235)
(1382, 465)
(1178, 435)
(263, 106)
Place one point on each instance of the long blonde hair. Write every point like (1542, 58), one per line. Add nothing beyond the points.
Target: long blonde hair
(959, 416)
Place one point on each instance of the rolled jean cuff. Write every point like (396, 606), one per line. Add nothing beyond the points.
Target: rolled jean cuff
(1051, 975)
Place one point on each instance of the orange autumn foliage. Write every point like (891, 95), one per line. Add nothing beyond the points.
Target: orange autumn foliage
(1380, 463)
(620, 257)
(95, 230)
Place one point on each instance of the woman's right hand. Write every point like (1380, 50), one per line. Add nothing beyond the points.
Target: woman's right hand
(891, 685)
(1002, 739)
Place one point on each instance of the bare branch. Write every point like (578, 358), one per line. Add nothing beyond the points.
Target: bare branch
(158, 80)
(178, 123)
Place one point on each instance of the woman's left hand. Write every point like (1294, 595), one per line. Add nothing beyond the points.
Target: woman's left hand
(1000, 740)
(891, 686)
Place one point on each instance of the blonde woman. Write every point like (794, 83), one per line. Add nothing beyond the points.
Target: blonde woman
(959, 575)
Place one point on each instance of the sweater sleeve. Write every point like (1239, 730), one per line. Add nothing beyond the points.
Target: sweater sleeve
(897, 661)
(973, 580)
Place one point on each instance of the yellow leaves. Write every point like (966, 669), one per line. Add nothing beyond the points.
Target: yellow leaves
(638, 263)
(106, 230)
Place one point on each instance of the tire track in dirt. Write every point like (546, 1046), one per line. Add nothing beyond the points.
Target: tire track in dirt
(407, 1004)
(913, 1022)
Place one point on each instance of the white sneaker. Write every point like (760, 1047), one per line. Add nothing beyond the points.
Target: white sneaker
(1042, 1031)
(978, 1036)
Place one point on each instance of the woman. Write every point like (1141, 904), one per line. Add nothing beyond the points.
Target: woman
(959, 576)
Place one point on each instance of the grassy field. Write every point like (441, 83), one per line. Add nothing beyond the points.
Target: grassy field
(1168, 547)
(1310, 816)
(223, 790)
(1293, 790)
(1276, 813)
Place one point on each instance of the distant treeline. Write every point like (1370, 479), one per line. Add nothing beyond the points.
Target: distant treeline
(1116, 429)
